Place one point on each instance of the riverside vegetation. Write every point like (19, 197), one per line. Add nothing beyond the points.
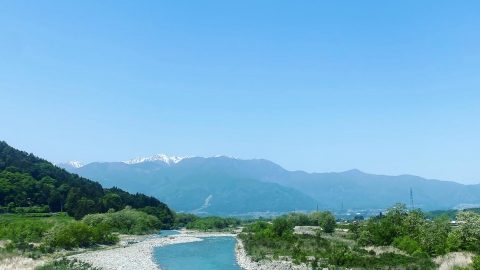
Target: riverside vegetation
(44, 210)
(414, 238)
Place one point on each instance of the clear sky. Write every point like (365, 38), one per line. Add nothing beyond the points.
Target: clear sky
(387, 87)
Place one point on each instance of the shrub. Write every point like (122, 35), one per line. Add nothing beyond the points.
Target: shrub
(23, 230)
(407, 244)
(476, 263)
(75, 234)
(282, 227)
(78, 234)
(101, 234)
(434, 235)
(165, 215)
(342, 255)
(126, 221)
(469, 230)
(327, 222)
(182, 219)
(454, 241)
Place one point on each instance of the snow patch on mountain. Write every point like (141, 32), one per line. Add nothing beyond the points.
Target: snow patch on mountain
(75, 164)
(159, 157)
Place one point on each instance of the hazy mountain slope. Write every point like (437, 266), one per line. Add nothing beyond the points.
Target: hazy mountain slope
(355, 189)
(236, 185)
(200, 185)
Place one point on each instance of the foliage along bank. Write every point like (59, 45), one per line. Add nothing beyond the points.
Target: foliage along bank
(417, 238)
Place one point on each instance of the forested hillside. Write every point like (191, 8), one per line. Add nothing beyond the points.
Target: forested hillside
(223, 185)
(31, 184)
(204, 186)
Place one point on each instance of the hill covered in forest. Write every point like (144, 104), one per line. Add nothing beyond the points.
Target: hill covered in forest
(31, 184)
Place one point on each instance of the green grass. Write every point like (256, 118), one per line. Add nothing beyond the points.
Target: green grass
(49, 217)
(29, 227)
(32, 235)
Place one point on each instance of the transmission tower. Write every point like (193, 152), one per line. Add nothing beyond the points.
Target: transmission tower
(411, 199)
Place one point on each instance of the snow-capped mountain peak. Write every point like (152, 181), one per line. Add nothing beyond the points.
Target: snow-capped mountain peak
(159, 157)
(75, 164)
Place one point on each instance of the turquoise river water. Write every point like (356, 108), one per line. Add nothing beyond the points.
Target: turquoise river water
(213, 253)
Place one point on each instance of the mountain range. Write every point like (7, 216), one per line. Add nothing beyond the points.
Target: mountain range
(225, 186)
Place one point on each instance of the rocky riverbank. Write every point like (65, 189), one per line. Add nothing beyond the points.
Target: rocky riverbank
(137, 252)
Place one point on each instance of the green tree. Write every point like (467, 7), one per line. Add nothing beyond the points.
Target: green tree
(328, 222)
(433, 236)
(412, 224)
(281, 227)
(112, 201)
(469, 230)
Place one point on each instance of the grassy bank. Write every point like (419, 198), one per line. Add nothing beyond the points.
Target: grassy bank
(398, 239)
(44, 235)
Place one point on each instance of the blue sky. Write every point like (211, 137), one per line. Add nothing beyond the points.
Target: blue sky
(387, 87)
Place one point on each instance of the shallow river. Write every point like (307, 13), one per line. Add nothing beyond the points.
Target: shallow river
(213, 253)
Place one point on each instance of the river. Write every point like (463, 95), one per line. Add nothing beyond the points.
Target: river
(213, 253)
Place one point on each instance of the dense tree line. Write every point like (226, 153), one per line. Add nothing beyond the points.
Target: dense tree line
(29, 183)
(325, 220)
(212, 223)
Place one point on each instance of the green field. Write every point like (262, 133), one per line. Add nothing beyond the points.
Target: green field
(29, 228)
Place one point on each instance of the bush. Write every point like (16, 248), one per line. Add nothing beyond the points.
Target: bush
(407, 244)
(78, 234)
(434, 235)
(341, 255)
(101, 234)
(69, 236)
(281, 227)
(182, 219)
(327, 222)
(469, 230)
(23, 230)
(476, 263)
(126, 221)
(164, 215)
(454, 241)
